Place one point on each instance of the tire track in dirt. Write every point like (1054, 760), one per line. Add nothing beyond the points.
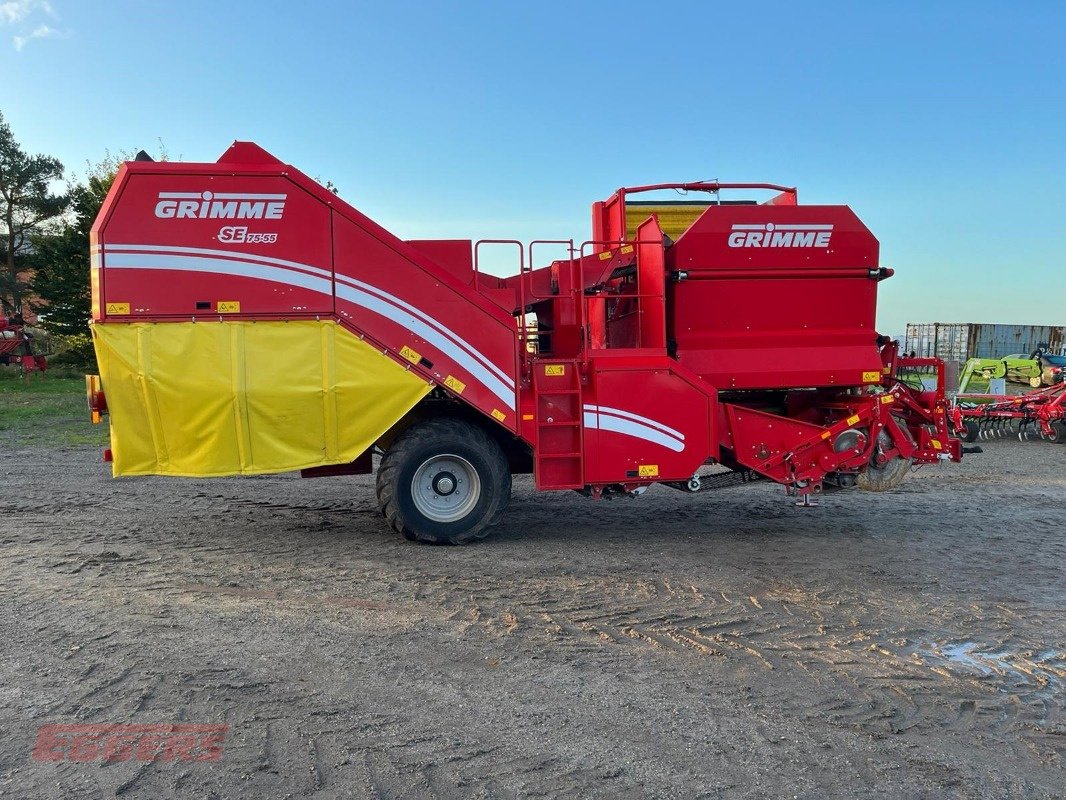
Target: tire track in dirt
(898, 680)
(866, 618)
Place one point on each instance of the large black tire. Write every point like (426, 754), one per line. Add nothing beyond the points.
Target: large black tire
(1058, 432)
(973, 430)
(443, 481)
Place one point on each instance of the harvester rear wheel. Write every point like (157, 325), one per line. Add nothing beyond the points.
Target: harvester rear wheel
(443, 481)
(886, 476)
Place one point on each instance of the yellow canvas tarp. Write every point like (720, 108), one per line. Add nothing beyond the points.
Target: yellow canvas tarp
(238, 398)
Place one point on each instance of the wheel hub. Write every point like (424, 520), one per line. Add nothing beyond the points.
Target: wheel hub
(444, 483)
(445, 488)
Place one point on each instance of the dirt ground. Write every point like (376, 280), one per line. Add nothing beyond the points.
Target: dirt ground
(909, 644)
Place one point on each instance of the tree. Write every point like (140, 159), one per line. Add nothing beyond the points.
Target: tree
(26, 204)
(61, 257)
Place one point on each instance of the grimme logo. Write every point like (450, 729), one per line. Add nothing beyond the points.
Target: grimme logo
(110, 743)
(773, 235)
(207, 205)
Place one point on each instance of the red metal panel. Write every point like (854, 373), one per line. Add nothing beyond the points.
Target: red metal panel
(665, 427)
(455, 255)
(784, 332)
(461, 340)
(651, 284)
(791, 238)
(777, 296)
(180, 243)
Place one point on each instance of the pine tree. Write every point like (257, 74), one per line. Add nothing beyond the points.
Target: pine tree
(26, 205)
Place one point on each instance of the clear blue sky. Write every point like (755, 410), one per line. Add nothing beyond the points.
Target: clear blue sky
(942, 125)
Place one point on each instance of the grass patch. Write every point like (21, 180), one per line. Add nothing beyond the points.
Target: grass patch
(46, 409)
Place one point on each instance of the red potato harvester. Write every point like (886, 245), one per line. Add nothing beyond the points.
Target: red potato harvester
(247, 320)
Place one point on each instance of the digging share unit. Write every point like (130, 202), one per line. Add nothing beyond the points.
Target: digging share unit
(247, 320)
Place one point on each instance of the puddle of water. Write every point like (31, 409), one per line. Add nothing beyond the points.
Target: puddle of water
(1044, 667)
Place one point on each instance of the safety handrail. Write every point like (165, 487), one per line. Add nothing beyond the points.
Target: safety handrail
(706, 186)
(583, 315)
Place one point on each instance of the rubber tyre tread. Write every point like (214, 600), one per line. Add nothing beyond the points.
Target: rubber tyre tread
(882, 479)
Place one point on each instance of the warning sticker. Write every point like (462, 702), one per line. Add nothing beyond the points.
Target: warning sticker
(454, 384)
(118, 308)
(554, 370)
(871, 377)
(411, 355)
(648, 471)
(229, 306)
(498, 415)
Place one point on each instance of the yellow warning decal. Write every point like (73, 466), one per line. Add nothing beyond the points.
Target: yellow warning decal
(648, 470)
(887, 398)
(454, 384)
(498, 415)
(886, 370)
(527, 417)
(118, 308)
(411, 355)
(936, 444)
(229, 307)
(852, 420)
(554, 370)
(871, 377)
(605, 255)
(626, 250)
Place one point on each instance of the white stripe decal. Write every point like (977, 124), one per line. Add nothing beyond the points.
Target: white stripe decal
(617, 412)
(420, 328)
(221, 265)
(607, 422)
(229, 254)
(379, 305)
(151, 248)
(430, 321)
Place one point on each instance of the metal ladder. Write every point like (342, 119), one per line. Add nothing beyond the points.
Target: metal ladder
(559, 461)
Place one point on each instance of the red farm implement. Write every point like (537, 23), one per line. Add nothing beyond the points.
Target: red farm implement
(247, 320)
(1039, 414)
(16, 347)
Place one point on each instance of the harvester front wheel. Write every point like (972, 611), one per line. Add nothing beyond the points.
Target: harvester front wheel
(443, 481)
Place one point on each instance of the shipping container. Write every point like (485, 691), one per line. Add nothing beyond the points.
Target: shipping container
(959, 341)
